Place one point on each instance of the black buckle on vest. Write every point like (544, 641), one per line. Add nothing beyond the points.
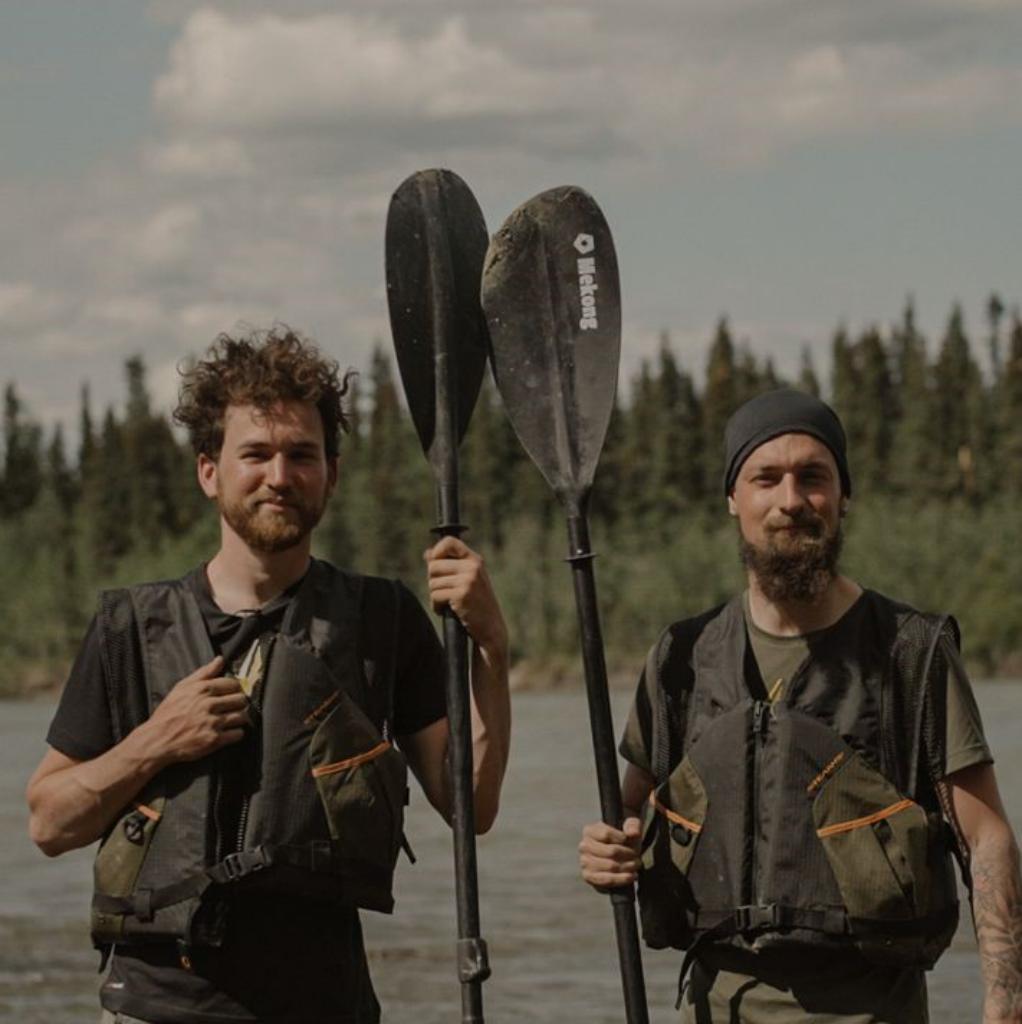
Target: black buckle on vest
(743, 918)
(751, 917)
(237, 865)
(231, 867)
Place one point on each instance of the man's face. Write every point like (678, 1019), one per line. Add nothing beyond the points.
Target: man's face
(788, 503)
(272, 478)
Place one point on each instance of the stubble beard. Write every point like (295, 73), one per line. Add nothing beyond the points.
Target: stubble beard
(269, 531)
(794, 565)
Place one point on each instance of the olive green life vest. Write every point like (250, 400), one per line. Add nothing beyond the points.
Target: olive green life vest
(814, 821)
(322, 789)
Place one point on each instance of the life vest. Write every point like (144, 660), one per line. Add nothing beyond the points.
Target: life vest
(322, 800)
(814, 821)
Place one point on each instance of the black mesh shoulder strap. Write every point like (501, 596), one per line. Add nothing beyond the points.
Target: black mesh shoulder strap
(380, 600)
(389, 673)
(669, 677)
(926, 650)
(929, 647)
(123, 665)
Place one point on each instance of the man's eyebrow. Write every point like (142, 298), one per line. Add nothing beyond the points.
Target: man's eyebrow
(776, 467)
(255, 443)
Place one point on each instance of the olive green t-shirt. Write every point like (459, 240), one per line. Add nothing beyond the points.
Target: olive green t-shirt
(780, 657)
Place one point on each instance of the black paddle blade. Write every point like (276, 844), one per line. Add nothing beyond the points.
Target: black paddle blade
(436, 243)
(553, 309)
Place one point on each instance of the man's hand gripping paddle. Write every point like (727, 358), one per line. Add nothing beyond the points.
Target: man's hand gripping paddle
(553, 307)
(436, 242)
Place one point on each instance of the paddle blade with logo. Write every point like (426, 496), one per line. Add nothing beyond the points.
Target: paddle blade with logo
(553, 307)
(552, 301)
(435, 245)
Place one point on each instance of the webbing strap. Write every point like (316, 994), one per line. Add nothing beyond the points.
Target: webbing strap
(833, 921)
(318, 856)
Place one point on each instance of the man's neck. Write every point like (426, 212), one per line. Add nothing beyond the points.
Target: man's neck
(243, 579)
(796, 618)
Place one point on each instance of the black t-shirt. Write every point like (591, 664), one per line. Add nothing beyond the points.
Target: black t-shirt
(281, 960)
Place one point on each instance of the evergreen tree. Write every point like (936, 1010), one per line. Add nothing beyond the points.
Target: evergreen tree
(155, 464)
(486, 463)
(397, 481)
(59, 474)
(639, 503)
(1010, 463)
(995, 310)
(87, 434)
(22, 466)
(109, 531)
(875, 413)
(844, 380)
(609, 498)
(912, 457)
(958, 407)
(676, 462)
(721, 396)
(807, 379)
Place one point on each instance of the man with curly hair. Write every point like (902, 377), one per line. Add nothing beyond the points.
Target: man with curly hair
(238, 738)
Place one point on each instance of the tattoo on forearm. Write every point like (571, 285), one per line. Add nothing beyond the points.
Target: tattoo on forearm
(997, 907)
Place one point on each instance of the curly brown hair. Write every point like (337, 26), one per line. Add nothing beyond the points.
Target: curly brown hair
(260, 369)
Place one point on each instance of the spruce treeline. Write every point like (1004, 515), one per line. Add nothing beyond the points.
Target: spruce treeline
(935, 453)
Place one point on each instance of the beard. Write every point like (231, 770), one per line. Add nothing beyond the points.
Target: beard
(270, 530)
(796, 564)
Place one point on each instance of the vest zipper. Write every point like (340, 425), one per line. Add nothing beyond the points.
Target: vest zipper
(760, 711)
(242, 824)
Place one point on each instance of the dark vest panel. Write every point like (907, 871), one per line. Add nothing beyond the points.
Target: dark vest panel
(287, 807)
(806, 822)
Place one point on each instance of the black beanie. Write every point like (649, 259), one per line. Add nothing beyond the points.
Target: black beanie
(784, 411)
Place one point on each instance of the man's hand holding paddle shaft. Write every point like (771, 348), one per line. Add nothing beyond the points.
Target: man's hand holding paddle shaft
(458, 580)
(608, 856)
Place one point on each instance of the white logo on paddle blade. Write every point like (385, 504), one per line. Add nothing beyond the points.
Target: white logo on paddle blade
(587, 285)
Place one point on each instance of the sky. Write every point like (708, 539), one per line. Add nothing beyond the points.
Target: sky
(170, 170)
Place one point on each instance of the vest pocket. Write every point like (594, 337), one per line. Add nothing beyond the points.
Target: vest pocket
(678, 807)
(672, 821)
(876, 841)
(120, 859)
(362, 783)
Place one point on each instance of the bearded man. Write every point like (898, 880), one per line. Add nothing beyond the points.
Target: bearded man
(803, 761)
(238, 737)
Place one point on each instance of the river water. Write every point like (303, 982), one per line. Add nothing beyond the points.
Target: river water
(551, 939)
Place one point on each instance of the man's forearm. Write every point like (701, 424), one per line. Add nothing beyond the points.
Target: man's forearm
(491, 730)
(74, 806)
(997, 908)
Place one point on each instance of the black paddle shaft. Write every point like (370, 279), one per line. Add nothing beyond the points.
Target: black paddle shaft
(436, 241)
(601, 723)
(552, 300)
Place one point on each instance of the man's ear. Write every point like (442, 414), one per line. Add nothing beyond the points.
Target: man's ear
(846, 504)
(205, 469)
(332, 473)
(732, 508)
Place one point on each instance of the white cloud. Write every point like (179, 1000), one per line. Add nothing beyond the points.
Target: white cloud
(271, 72)
(260, 191)
(169, 235)
(23, 305)
(204, 158)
